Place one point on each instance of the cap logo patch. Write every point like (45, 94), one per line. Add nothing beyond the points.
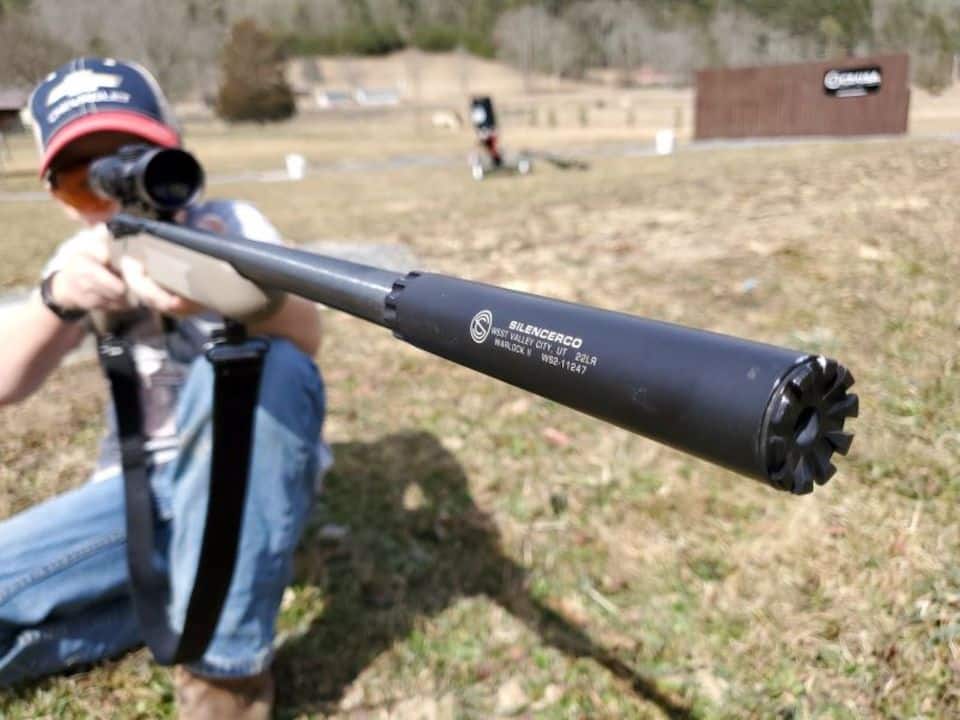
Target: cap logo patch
(80, 82)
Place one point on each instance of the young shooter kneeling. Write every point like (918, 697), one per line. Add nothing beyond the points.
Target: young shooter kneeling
(64, 587)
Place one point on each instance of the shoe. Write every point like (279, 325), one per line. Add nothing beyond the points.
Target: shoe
(208, 698)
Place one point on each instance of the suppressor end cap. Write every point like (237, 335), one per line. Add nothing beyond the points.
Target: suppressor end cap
(803, 425)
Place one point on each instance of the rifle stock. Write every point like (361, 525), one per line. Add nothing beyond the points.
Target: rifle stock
(204, 279)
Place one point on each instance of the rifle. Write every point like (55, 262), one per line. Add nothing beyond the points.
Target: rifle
(770, 413)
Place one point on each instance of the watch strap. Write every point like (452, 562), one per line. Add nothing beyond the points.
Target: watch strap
(65, 314)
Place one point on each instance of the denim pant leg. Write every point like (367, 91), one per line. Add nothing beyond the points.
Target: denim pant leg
(63, 583)
(64, 598)
(283, 471)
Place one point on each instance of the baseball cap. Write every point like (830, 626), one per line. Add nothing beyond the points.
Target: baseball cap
(91, 95)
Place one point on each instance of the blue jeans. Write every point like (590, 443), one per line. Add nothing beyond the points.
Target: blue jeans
(64, 598)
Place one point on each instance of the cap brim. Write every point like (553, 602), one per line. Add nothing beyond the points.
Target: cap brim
(112, 121)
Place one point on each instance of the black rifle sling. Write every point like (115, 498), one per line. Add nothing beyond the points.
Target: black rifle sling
(237, 367)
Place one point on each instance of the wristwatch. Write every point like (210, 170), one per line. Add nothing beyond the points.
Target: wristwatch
(65, 314)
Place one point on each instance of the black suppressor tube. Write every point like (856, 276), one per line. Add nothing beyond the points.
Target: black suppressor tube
(773, 414)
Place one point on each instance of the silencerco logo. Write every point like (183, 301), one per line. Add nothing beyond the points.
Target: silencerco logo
(480, 326)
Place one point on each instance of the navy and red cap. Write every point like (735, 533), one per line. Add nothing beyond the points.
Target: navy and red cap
(91, 95)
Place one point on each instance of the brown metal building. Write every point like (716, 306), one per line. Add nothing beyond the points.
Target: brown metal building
(849, 96)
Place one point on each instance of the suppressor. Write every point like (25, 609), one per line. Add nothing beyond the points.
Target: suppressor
(767, 412)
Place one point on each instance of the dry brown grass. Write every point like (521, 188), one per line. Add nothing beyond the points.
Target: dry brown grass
(506, 555)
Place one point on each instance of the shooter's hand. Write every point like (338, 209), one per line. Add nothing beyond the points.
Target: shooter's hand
(151, 294)
(84, 279)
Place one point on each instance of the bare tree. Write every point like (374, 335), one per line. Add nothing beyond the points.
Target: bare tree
(532, 39)
(390, 13)
(677, 51)
(623, 35)
(926, 35)
(739, 38)
(176, 40)
(566, 50)
(316, 16)
(180, 47)
(625, 43)
(27, 51)
(442, 12)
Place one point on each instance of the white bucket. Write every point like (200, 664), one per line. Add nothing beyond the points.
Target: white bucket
(296, 166)
(664, 142)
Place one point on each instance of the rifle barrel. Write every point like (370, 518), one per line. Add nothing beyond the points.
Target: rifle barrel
(347, 286)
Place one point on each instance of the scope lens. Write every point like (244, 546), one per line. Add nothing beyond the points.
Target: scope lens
(172, 179)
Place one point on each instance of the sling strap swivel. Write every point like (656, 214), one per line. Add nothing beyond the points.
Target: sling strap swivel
(237, 364)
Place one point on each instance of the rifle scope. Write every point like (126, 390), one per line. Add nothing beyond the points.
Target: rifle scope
(158, 180)
(766, 412)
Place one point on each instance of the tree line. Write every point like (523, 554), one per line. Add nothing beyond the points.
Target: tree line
(183, 41)
(680, 36)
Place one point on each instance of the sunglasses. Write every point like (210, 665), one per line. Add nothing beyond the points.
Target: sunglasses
(72, 186)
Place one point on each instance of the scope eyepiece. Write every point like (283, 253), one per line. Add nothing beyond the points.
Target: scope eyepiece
(159, 180)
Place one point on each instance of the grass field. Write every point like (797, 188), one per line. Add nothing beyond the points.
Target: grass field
(507, 557)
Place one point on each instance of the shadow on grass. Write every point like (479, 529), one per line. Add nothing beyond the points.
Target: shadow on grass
(399, 563)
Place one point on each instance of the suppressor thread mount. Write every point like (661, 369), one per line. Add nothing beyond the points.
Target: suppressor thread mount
(803, 424)
(390, 302)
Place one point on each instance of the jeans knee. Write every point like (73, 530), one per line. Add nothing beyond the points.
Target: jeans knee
(291, 389)
(283, 358)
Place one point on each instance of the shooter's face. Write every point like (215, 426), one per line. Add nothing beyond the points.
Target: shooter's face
(71, 186)
(69, 177)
